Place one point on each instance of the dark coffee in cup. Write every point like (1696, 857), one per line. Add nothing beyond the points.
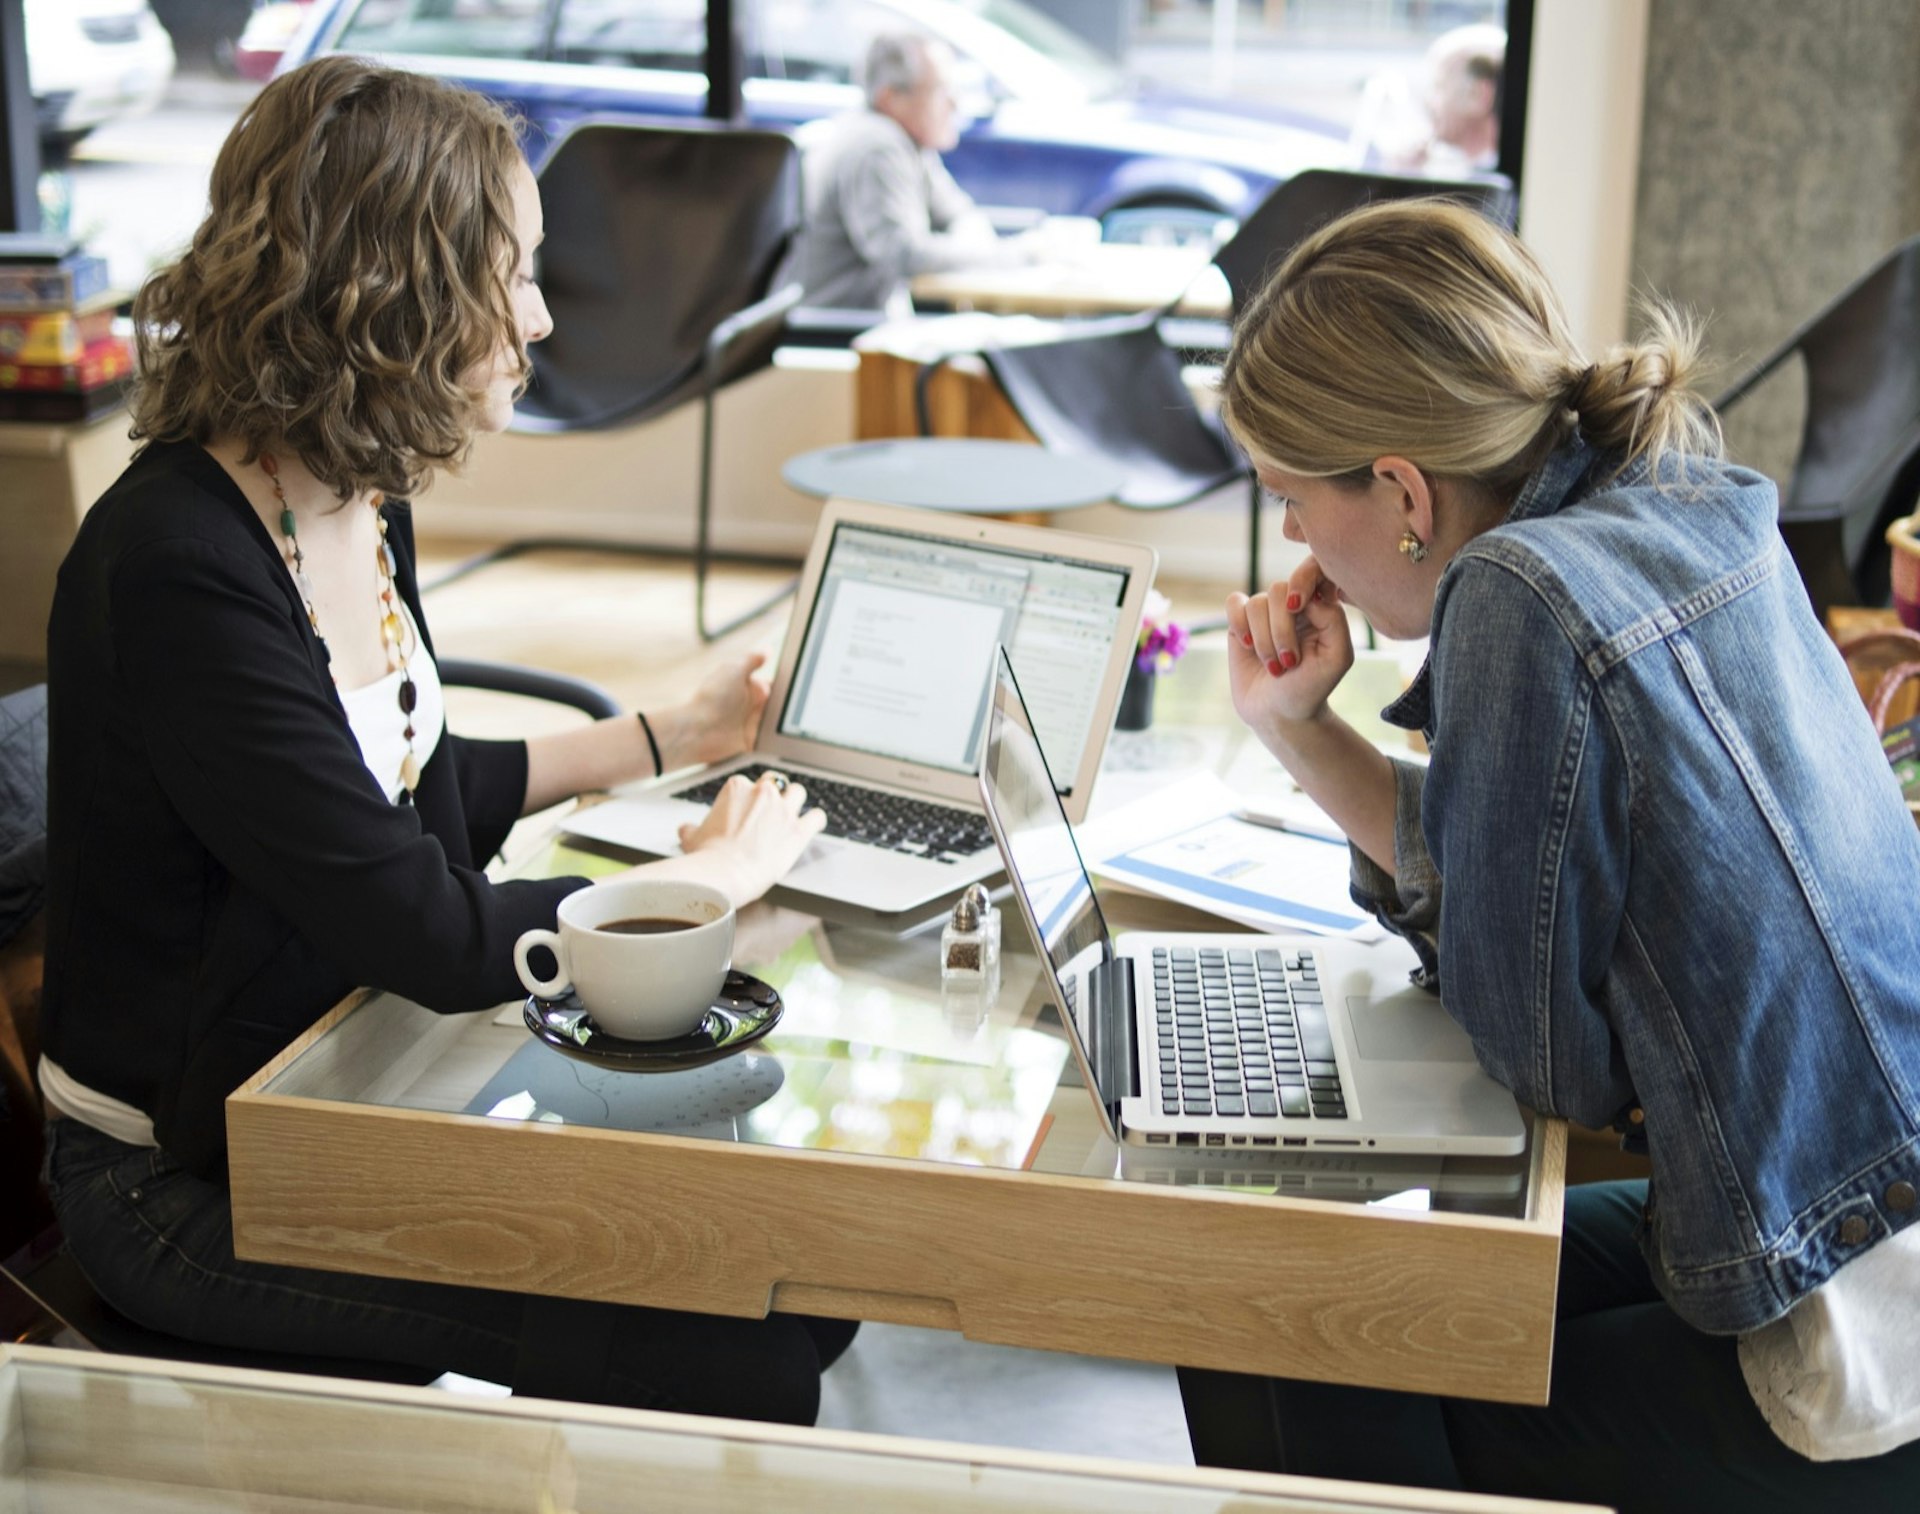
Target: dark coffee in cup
(647, 925)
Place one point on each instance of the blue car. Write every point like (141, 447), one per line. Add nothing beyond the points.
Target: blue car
(1055, 128)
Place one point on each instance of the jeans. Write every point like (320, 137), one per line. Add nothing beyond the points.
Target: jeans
(157, 1244)
(1646, 1413)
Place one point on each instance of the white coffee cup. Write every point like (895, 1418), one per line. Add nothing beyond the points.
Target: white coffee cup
(638, 984)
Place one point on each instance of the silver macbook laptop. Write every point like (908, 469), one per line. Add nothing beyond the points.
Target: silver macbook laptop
(1229, 1040)
(878, 701)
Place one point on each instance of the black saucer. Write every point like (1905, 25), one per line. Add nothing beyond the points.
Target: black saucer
(745, 1011)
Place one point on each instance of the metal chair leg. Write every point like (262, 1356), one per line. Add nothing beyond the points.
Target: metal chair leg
(703, 542)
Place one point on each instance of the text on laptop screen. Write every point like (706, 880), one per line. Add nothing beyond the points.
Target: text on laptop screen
(899, 646)
(1042, 859)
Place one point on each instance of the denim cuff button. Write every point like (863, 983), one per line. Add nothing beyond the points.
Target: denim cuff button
(1853, 1230)
(1900, 1197)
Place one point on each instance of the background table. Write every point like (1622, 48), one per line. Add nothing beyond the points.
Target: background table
(899, 1152)
(965, 474)
(1104, 278)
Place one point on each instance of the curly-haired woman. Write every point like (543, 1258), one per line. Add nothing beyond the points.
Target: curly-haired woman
(254, 802)
(1657, 868)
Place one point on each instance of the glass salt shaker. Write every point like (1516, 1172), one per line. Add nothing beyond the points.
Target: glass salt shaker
(963, 942)
(989, 918)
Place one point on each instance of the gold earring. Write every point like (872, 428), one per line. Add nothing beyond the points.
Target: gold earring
(1413, 548)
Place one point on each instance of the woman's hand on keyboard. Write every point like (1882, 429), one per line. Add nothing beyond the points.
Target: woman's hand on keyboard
(757, 830)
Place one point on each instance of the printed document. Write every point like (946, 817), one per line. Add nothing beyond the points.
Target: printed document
(1184, 844)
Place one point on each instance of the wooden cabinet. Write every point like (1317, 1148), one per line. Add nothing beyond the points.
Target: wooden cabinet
(53, 474)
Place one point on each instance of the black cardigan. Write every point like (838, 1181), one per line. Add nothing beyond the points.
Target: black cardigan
(222, 866)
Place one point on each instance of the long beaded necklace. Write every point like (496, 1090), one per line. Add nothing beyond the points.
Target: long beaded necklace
(393, 629)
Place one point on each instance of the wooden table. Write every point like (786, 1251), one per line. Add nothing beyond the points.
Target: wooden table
(961, 473)
(1103, 278)
(962, 397)
(915, 1157)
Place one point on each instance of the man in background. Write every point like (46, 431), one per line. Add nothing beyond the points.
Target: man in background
(1463, 99)
(880, 206)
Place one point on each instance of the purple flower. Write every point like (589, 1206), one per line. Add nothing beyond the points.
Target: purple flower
(1163, 641)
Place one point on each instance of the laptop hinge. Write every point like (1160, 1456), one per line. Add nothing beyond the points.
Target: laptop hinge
(1112, 1034)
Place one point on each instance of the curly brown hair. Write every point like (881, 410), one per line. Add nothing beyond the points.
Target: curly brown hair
(351, 279)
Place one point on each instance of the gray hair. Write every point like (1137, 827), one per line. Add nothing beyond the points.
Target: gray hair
(895, 60)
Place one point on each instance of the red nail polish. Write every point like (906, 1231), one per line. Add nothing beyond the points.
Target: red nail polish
(1293, 602)
(1246, 641)
(1288, 661)
(1273, 666)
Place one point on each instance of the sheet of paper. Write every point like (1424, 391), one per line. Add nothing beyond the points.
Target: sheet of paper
(1184, 844)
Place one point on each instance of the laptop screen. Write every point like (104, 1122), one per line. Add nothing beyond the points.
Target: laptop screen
(899, 646)
(1037, 844)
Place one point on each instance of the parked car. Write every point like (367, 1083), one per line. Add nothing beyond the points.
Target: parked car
(91, 61)
(1056, 126)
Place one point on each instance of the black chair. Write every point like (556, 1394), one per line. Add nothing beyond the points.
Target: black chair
(1315, 196)
(530, 683)
(661, 247)
(1113, 389)
(23, 888)
(1858, 467)
(45, 1296)
(830, 326)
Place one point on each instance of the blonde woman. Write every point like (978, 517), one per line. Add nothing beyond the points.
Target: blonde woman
(254, 802)
(1656, 868)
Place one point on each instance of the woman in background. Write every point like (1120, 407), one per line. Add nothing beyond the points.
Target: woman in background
(1655, 868)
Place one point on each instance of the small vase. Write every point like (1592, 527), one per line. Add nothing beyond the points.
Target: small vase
(1136, 701)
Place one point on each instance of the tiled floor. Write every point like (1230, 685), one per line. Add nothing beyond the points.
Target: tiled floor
(933, 1385)
(896, 1380)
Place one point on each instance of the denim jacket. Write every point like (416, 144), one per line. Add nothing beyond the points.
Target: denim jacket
(1682, 894)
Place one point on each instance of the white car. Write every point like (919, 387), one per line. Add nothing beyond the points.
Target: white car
(93, 61)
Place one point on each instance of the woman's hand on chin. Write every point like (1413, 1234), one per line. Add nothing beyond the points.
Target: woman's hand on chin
(756, 831)
(1287, 648)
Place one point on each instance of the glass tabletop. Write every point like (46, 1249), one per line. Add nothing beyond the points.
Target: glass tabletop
(82, 1435)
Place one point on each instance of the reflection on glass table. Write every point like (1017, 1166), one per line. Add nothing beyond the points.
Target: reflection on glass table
(871, 1057)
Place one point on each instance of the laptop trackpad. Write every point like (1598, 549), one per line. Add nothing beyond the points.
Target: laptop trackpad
(1405, 1030)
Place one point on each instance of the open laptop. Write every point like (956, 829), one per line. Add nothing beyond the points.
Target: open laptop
(878, 703)
(1229, 1040)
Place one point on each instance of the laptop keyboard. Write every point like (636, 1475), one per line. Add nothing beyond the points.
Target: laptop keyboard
(1243, 1033)
(914, 826)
